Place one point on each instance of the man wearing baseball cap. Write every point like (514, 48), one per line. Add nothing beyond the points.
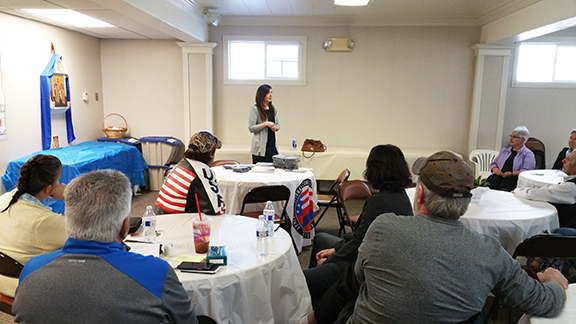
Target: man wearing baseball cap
(430, 268)
(193, 176)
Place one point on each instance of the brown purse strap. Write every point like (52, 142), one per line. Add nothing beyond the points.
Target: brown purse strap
(311, 155)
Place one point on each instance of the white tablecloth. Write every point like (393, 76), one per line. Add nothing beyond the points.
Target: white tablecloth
(540, 178)
(235, 185)
(250, 289)
(567, 316)
(507, 218)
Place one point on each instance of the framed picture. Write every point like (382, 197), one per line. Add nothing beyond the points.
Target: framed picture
(58, 93)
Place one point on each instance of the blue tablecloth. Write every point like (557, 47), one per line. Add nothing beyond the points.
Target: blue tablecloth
(83, 158)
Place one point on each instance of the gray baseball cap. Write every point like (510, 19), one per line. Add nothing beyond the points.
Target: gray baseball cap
(446, 174)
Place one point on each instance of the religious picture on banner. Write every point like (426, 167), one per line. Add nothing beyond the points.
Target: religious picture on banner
(59, 96)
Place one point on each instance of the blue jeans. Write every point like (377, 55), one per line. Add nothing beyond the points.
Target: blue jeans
(565, 231)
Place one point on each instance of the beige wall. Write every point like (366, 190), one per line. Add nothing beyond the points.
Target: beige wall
(409, 86)
(24, 53)
(142, 81)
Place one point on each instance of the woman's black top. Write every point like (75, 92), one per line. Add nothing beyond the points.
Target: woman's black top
(271, 143)
(509, 162)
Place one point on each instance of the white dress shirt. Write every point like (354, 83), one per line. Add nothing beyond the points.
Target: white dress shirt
(564, 193)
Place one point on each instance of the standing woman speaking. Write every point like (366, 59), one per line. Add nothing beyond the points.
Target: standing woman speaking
(263, 124)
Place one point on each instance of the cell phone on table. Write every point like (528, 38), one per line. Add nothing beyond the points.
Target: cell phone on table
(198, 267)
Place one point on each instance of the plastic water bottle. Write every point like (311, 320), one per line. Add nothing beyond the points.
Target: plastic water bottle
(149, 221)
(294, 145)
(262, 236)
(269, 213)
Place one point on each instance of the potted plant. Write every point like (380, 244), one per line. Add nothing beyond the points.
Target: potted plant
(480, 187)
(478, 182)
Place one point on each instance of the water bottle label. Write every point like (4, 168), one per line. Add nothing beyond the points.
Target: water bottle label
(147, 223)
(261, 233)
(270, 217)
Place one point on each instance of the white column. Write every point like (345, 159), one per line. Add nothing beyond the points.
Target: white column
(489, 96)
(198, 89)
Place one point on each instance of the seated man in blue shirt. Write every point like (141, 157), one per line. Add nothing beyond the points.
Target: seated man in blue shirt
(92, 279)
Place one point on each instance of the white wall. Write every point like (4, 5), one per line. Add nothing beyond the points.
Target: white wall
(142, 81)
(24, 53)
(409, 86)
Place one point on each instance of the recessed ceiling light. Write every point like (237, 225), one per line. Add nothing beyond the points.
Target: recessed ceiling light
(69, 17)
(351, 2)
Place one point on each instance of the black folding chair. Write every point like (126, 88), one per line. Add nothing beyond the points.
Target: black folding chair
(9, 268)
(263, 194)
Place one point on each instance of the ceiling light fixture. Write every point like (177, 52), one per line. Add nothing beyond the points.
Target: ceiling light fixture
(69, 17)
(212, 17)
(351, 2)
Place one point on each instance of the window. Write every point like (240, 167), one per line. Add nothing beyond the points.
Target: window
(545, 65)
(255, 60)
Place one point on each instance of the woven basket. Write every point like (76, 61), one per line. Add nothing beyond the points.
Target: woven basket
(113, 131)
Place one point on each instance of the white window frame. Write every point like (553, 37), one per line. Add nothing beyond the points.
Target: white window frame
(268, 40)
(553, 84)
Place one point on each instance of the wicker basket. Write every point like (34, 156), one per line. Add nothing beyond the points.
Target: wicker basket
(113, 131)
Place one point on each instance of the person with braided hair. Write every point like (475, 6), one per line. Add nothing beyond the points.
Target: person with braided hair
(27, 227)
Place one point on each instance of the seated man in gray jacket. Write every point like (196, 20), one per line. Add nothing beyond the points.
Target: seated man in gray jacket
(430, 268)
(92, 279)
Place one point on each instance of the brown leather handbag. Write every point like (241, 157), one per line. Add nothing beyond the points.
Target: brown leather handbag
(313, 146)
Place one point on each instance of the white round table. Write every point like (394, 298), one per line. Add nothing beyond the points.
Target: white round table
(250, 289)
(567, 315)
(507, 218)
(235, 185)
(540, 178)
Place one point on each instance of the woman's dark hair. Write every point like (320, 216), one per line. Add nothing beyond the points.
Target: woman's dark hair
(35, 175)
(386, 168)
(193, 153)
(261, 93)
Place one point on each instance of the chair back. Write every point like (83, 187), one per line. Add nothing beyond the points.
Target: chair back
(343, 177)
(354, 190)
(537, 147)
(481, 160)
(549, 250)
(264, 193)
(9, 267)
(547, 246)
(350, 190)
(224, 162)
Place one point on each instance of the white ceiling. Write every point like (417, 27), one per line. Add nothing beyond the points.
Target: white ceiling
(156, 19)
